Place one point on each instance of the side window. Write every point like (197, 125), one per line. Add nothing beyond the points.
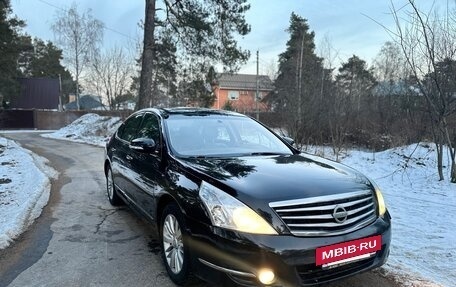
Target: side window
(120, 130)
(130, 128)
(150, 128)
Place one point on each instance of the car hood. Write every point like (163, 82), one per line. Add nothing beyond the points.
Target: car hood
(279, 177)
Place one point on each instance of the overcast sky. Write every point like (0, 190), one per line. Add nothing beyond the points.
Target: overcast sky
(346, 23)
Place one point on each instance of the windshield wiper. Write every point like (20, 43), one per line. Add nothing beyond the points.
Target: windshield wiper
(197, 156)
(266, 153)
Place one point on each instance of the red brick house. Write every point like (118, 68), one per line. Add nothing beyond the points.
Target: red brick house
(239, 91)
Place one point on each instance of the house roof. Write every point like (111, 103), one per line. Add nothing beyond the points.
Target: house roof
(386, 88)
(244, 82)
(86, 102)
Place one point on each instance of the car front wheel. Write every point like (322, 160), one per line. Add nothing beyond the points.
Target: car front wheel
(175, 252)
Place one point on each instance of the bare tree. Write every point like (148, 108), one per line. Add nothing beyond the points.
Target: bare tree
(270, 68)
(327, 52)
(390, 72)
(111, 74)
(336, 104)
(78, 35)
(389, 64)
(339, 120)
(428, 43)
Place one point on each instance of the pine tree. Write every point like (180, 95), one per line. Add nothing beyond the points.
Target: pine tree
(355, 82)
(204, 29)
(10, 49)
(298, 85)
(164, 77)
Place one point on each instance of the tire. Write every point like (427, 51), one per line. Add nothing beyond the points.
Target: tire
(175, 253)
(111, 191)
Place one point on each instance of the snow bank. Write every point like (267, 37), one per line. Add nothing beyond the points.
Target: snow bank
(89, 128)
(24, 189)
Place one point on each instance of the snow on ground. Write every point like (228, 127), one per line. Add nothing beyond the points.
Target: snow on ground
(24, 189)
(89, 128)
(423, 209)
(25, 177)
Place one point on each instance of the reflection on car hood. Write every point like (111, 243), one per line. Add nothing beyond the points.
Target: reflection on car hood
(280, 177)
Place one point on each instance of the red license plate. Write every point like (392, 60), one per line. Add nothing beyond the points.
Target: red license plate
(343, 252)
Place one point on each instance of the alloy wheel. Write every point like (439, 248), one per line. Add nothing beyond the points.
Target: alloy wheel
(173, 244)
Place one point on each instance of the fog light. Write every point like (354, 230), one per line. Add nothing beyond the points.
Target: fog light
(266, 276)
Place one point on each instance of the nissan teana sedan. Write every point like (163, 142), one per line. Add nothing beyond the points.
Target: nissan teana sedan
(236, 204)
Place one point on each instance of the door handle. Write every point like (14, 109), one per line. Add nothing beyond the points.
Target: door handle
(129, 157)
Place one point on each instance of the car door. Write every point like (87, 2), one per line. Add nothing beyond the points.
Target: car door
(148, 166)
(121, 154)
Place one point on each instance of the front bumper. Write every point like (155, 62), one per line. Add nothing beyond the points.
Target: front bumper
(221, 256)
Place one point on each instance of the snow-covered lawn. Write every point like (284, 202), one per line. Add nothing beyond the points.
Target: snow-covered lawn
(24, 189)
(423, 209)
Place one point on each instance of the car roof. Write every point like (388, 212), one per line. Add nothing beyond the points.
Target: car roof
(165, 112)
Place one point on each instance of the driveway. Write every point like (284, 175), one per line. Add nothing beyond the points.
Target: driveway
(81, 240)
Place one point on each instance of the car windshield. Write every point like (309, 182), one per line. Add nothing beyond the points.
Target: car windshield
(221, 135)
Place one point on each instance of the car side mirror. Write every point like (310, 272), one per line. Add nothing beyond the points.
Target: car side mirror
(143, 145)
(290, 141)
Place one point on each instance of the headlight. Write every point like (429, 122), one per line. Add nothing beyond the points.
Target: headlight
(227, 212)
(380, 200)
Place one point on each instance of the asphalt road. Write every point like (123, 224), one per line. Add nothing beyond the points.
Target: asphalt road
(81, 240)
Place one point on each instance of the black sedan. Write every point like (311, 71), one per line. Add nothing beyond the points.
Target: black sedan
(234, 203)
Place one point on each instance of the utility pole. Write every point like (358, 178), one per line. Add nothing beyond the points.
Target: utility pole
(60, 94)
(257, 94)
(300, 82)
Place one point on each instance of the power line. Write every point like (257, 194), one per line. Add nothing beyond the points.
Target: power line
(104, 25)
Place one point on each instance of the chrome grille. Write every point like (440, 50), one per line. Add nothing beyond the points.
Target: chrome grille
(319, 216)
